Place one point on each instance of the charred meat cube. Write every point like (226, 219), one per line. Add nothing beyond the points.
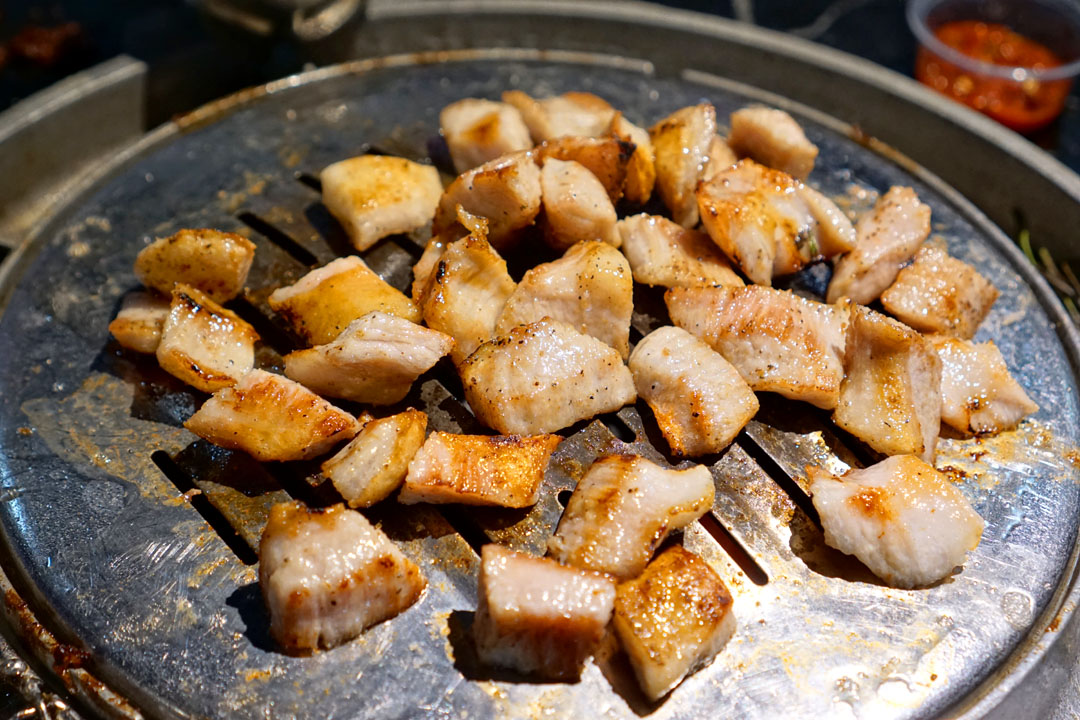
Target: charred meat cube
(574, 113)
(768, 222)
(590, 288)
(721, 157)
(327, 575)
(373, 196)
(623, 508)
(139, 323)
(212, 261)
(272, 418)
(608, 158)
(576, 207)
(681, 144)
(773, 138)
(466, 294)
(478, 131)
(672, 619)
(641, 167)
(890, 397)
(503, 470)
(778, 341)
(320, 305)
(204, 344)
(699, 399)
(543, 377)
(978, 395)
(375, 360)
(467, 224)
(374, 463)
(940, 294)
(665, 253)
(902, 518)
(887, 237)
(506, 191)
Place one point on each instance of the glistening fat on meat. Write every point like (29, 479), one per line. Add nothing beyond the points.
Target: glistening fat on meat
(272, 418)
(590, 288)
(326, 575)
(623, 508)
(542, 377)
(502, 470)
(901, 517)
(539, 617)
(375, 360)
(320, 305)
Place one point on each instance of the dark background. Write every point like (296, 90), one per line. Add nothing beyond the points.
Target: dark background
(190, 61)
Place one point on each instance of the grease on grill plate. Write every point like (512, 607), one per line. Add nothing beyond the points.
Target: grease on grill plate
(678, 605)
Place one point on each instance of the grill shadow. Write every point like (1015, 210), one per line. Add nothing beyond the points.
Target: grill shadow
(329, 229)
(157, 396)
(248, 603)
(808, 544)
(615, 666)
(467, 662)
(211, 513)
(278, 237)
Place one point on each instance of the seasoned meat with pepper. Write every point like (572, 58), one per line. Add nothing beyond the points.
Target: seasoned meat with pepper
(623, 508)
(665, 253)
(373, 196)
(466, 294)
(375, 360)
(212, 261)
(374, 463)
(576, 206)
(204, 344)
(590, 288)
(699, 399)
(543, 377)
(672, 619)
(681, 144)
(940, 294)
(320, 305)
(778, 341)
(769, 223)
(608, 158)
(272, 418)
(886, 238)
(978, 395)
(890, 397)
(506, 191)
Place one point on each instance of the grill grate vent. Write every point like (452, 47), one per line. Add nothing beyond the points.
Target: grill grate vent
(221, 525)
(278, 237)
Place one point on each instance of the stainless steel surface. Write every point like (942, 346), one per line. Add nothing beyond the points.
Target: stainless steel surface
(119, 561)
(55, 140)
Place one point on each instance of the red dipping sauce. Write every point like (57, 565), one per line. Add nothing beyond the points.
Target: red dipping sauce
(1023, 105)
